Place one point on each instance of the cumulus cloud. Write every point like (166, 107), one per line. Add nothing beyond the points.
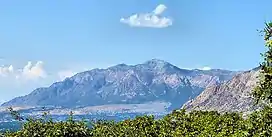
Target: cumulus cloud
(65, 74)
(29, 72)
(6, 70)
(159, 9)
(152, 19)
(34, 71)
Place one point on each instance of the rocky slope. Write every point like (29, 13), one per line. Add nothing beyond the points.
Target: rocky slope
(154, 80)
(233, 95)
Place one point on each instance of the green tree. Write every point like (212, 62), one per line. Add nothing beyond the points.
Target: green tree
(263, 92)
(260, 122)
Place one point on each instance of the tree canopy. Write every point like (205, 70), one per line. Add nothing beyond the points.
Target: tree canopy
(263, 91)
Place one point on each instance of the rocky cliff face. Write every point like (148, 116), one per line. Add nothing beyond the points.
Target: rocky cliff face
(233, 95)
(154, 80)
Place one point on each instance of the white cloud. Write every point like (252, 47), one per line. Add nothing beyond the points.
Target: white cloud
(205, 68)
(65, 74)
(6, 70)
(28, 72)
(152, 20)
(160, 9)
(34, 71)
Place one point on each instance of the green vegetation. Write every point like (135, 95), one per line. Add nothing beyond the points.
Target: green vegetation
(263, 91)
(177, 124)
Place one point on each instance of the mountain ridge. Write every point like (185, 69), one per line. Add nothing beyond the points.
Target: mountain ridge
(153, 80)
(232, 95)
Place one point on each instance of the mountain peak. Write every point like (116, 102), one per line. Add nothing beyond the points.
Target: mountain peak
(231, 95)
(156, 61)
(121, 65)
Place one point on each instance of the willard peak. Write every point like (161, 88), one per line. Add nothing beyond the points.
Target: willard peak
(159, 61)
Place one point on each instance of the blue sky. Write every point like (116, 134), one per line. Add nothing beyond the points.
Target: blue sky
(59, 38)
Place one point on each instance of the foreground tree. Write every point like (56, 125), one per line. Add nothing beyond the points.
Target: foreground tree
(263, 92)
(260, 122)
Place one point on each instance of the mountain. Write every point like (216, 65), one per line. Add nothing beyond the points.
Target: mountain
(233, 95)
(154, 80)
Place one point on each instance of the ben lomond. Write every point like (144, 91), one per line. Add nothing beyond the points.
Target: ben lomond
(154, 80)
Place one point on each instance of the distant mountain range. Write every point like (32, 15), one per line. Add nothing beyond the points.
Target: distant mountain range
(154, 80)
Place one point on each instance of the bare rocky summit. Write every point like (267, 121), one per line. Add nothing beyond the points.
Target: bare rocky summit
(230, 96)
